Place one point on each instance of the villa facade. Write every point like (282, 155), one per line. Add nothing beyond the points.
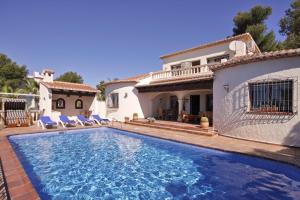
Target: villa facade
(244, 93)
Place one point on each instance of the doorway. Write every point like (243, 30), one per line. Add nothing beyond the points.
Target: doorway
(194, 104)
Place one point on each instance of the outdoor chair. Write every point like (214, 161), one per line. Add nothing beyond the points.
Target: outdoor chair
(83, 121)
(65, 121)
(46, 122)
(99, 120)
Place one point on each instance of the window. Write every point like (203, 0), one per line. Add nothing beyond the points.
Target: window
(195, 63)
(217, 59)
(271, 96)
(60, 103)
(113, 100)
(78, 104)
(174, 67)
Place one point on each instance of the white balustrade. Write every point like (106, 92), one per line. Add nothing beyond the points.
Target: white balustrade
(185, 72)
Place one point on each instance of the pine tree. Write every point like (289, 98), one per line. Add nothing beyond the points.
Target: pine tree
(290, 26)
(71, 77)
(253, 22)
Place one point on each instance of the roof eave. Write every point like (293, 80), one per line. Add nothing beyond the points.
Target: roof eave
(211, 44)
(119, 82)
(256, 58)
(69, 89)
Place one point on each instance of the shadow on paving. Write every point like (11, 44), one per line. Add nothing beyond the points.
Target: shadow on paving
(3, 186)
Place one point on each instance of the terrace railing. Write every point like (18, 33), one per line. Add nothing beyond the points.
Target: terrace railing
(185, 72)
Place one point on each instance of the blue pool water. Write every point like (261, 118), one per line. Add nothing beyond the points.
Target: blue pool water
(111, 164)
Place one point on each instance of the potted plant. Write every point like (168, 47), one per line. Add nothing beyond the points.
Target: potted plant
(204, 123)
(126, 119)
(135, 117)
(151, 120)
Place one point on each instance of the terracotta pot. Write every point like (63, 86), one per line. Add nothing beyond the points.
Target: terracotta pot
(204, 124)
(135, 117)
(126, 119)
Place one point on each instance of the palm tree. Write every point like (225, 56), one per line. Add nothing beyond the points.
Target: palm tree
(31, 86)
(7, 89)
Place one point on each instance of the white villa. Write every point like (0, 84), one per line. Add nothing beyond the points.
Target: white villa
(244, 93)
(69, 99)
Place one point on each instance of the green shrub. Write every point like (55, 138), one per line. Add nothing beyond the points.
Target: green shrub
(204, 119)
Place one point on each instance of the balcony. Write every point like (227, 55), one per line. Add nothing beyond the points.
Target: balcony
(200, 70)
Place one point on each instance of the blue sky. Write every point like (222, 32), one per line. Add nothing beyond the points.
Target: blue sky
(115, 39)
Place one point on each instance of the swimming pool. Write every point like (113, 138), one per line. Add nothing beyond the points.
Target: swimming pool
(107, 163)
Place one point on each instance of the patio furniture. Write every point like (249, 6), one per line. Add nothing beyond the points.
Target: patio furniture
(99, 120)
(46, 122)
(11, 118)
(83, 121)
(65, 121)
(161, 113)
(15, 112)
(192, 118)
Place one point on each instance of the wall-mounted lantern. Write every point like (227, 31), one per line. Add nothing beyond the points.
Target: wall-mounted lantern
(226, 87)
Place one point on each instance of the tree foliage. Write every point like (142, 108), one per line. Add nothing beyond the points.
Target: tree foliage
(101, 88)
(12, 76)
(71, 77)
(253, 22)
(290, 26)
(30, 87)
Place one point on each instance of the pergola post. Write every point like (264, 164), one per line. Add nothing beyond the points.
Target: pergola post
(180, 107)
(180, 100)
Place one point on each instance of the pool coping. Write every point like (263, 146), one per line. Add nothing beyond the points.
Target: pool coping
(265, 155)
(213, 148)
(20, 186)
(18, 183)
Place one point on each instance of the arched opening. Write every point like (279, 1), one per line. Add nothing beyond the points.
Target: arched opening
(60, 103)
(78, 104)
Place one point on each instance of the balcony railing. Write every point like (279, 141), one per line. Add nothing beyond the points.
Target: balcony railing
(185, 72)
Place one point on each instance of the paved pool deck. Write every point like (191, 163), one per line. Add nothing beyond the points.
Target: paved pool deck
(20, 187)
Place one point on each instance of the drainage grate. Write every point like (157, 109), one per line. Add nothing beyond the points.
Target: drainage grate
(4, 195)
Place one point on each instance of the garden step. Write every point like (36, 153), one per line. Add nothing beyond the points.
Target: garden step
(183, 128)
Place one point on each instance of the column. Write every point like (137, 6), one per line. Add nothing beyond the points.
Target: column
(180, 107)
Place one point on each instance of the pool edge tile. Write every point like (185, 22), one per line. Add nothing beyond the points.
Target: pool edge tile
(19, 184)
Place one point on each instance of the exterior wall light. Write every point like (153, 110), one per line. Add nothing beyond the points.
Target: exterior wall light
(125, 95)
(226, 87)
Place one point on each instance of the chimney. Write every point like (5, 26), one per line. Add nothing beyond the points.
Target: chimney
(48, 75)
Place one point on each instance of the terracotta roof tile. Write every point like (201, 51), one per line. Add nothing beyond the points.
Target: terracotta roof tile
(228, 39)
(256, 58)
(69, 86)
(130, 79)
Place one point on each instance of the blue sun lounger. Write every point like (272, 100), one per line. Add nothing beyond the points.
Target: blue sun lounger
(46, 122)
(100, 120)
(65, 121)
(82, 120)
